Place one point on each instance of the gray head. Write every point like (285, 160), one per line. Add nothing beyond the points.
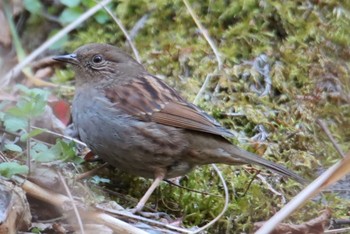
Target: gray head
(93, 62)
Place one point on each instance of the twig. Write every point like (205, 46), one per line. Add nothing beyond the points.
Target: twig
(327, 178)
(3, 158)
(271, 188)
(43, 62)
(62, 136)
(75, 209)
(20, 53)
(226, 202)
(331, 138)
(28, 147)
(202, 89)
(109, 221)
(205, 34)
(250, 183)
(191, 190)
(211, 44)
(19, 135)
(139, 24)
(18, 68)
(126, 34)
(142, 219)
(56, 199)
(90, 173)
(337, 231)
(234, 114)
(198, 96)
(63, 203)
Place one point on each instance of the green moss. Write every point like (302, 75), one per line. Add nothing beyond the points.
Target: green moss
(307, 47)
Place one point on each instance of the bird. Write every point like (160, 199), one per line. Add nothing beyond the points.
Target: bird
(139, 124)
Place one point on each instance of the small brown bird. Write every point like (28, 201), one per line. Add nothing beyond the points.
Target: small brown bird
(139, 124)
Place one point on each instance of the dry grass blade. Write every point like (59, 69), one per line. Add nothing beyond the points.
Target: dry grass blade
(205, 34)
(144, 220)
(331, 138)
(63, 203)
(126, 34)
(315, 225)
(60, 135)
(337, 231)
(225, 205)
(18, 68)
(213, 47)
(75, 209)
(330, 176)
(202, 89)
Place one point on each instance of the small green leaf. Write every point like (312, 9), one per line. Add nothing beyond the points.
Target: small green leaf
(67, 149)
(16, 111)
(39, 147)
(33, 92)
(69, 15)
(36, 230)
(38, 106)
(101, 17)
(70, 3)
(61, 150)
(13, 147)
(13, 124)
(60, 43)
(45, 156)
(3, 104)
(33, 6)
(88, 3)
(9, 169)
(33, 133)
(23, 88)
(2, 116)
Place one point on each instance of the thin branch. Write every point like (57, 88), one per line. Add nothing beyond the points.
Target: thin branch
(202, 89)
(143, 219)
(198, 96)
(205, 34)
(90, 173)
(63, 203)
(29, 158)
(15, 71)
(250, 183)
(126, 34)
(212, 45)
(263, 179)
(330, 176)
(61, 135)
(75, 209)
(226, 201)
(337, 231)
(139, 24)
(191, 190)
(324, 127)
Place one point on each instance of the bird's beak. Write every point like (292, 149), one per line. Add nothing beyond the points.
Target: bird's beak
(68, 58)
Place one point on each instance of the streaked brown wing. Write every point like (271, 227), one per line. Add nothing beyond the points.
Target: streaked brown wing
(149, 99)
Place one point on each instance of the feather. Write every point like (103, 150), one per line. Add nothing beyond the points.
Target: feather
(150, 99)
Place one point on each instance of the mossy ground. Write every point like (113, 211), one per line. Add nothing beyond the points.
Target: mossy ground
(307, 46)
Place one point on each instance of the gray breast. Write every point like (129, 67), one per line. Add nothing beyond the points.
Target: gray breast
(134, 146)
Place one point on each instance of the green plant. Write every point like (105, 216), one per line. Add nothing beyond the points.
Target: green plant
(17, 120)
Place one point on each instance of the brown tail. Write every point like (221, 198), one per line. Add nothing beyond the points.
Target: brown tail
(239, 155)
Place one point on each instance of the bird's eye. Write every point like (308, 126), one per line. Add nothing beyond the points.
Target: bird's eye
(97, 59)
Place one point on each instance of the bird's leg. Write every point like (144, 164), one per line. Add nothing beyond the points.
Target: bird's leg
(158, 178)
